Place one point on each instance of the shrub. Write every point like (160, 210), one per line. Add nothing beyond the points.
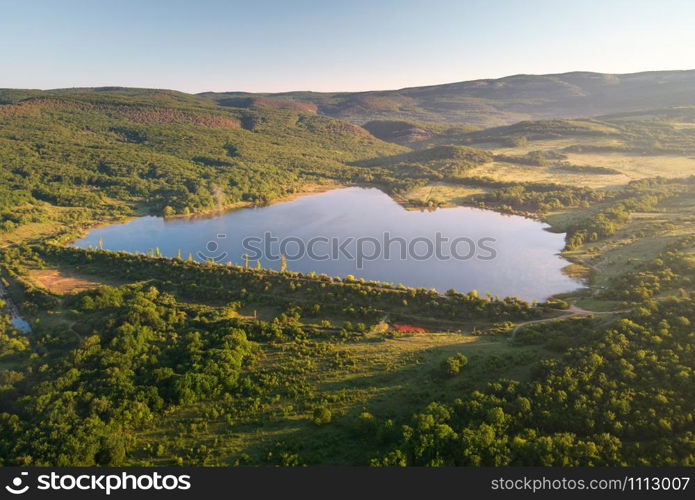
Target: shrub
(322, 416)
(452, 366)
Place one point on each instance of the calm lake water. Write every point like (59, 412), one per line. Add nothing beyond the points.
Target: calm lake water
(460, 248)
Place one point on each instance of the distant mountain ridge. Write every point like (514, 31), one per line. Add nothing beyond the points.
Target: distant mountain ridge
(492, 102)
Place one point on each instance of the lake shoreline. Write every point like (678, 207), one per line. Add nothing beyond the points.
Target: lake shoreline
(86, 228)
(366, 213)
(306, 190)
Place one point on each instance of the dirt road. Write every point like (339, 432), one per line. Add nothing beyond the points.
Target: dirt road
(572, 311)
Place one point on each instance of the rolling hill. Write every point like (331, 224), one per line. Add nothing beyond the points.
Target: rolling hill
(67, 153)
(494, 102)
(70, 154)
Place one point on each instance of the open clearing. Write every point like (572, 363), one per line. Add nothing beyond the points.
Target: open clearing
(62, 281)
(509, 172)
(443, 193)
(632, 166)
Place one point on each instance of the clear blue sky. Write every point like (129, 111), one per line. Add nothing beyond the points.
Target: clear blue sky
(262, 45)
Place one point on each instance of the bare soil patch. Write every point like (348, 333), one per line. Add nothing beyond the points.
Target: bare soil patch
(60, 281)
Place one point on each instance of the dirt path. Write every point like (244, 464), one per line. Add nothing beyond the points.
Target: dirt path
(572, 311)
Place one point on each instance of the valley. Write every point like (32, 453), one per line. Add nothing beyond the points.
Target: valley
(149, 357)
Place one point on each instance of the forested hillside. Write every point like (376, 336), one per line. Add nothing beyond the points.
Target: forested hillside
(69, 155)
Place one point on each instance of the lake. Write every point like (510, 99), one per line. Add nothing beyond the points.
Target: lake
(364, 233)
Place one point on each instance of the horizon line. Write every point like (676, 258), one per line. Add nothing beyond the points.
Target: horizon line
(352, 91)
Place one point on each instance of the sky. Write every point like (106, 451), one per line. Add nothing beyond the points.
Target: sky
(332, 45)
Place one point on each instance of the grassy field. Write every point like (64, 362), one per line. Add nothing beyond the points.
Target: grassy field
(631, 167)
(442, 193)
(381, 376)
(637, 166)
(508, 172)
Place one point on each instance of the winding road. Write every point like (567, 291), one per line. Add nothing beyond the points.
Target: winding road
(572, 311)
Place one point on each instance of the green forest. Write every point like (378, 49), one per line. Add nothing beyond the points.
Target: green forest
(142, 360)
